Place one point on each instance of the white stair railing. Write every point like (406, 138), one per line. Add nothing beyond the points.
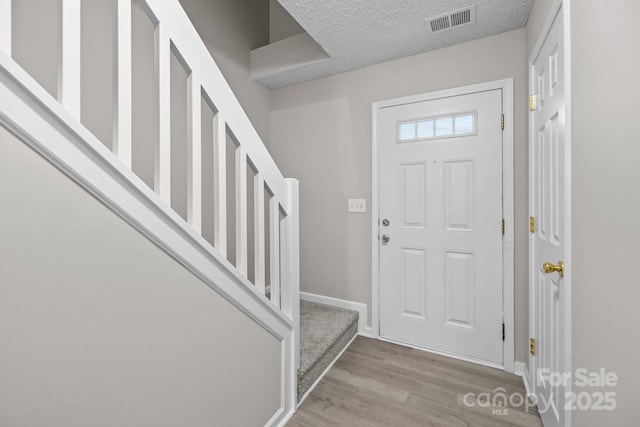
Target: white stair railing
(52, 126)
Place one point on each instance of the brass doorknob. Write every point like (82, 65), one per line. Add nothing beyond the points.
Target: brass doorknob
(547, 267)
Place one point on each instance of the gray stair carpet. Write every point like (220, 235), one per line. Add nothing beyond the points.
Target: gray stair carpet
(324, 332)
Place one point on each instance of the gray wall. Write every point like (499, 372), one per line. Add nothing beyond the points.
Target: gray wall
(281, 23)
(321, 134)
(231, 29)
(606, 199)
(35, 41)
(537, 19)
(98, 67)
(99, 327)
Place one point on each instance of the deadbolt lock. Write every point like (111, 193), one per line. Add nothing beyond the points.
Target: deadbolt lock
(385, 222)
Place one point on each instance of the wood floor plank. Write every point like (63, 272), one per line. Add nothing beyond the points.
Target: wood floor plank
(376, 383)
(384, 389)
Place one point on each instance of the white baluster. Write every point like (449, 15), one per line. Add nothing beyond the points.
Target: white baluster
(122, 126)
(162, 170)
(258, 232)
(5, 26)
(241, 210)
(194, 141)
(274, 250)
(69, 58)
(220, 184)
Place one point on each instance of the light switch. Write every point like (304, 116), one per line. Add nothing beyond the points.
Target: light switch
(357, 205)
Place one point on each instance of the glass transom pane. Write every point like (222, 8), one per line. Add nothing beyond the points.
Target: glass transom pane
(465, 124)
(407, 131)
(444, 126)
(425, 129)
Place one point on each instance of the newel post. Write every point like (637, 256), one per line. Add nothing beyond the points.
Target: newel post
(290, 259)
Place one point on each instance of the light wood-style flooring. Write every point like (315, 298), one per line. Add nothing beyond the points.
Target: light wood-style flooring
(375, 383)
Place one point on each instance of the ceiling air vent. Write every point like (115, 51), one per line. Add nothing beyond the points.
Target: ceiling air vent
(439, 24)
(450, 20)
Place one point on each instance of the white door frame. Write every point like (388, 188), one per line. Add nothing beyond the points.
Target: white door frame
(565, 4)
(507, 205)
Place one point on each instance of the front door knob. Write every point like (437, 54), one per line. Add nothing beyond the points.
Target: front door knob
(547, 267)
(385, 238)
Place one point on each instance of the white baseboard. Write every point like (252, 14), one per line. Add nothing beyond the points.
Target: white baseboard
(519, 368)
(367, 332)
(525, 380)
(361, 308)
(277, 420)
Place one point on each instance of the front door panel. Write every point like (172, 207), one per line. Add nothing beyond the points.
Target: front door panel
(441, 191)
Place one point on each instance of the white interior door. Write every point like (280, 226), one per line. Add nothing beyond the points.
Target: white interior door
(548, 239)
(440, 207)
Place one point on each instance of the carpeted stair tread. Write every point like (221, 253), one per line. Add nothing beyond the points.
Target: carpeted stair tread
(324, 332)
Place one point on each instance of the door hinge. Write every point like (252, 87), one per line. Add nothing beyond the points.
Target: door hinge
(532, 346)
(533, 102)
(532, 224)
(502, 122)
(503, 331)
(503, 226)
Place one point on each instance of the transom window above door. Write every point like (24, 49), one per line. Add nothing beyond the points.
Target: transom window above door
(437, 127)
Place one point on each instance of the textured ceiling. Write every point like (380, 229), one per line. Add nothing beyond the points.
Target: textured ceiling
(357, 33)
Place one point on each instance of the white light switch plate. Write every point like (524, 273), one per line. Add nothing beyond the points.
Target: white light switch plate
(357, 205)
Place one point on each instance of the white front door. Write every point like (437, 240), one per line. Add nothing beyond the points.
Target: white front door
(548, 229)
(440, 190)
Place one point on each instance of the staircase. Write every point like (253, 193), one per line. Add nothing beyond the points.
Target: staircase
(325, 332)
(236, 229)
(234, 225)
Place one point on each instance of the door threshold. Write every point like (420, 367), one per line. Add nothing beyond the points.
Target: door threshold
(486, 363)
